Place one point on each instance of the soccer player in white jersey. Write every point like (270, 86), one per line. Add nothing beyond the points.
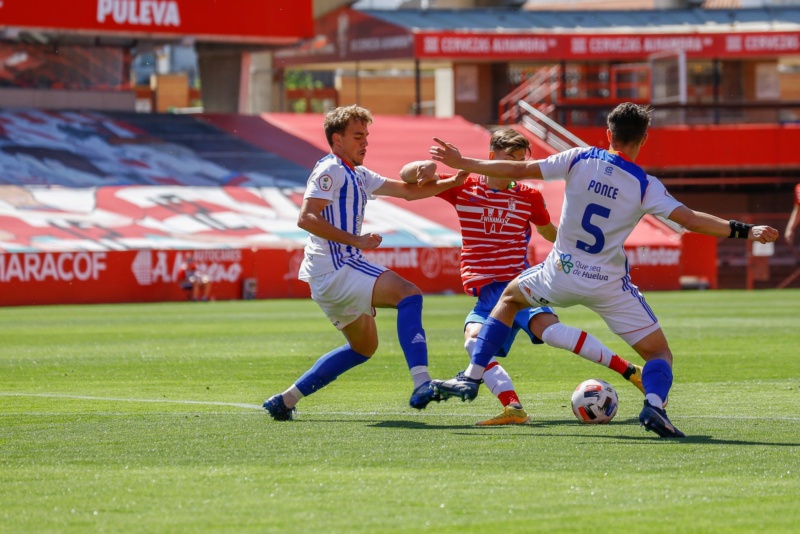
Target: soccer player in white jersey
(496, 219)
(346, 286)
(605, 196)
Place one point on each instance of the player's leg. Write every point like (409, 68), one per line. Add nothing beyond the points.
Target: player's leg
(362, 343)
(549, 329)
(629, 316)
(393, 291)
(492, 337)
(657, 372)
(496, 378)
(345, 298)
(657, 380)
(498, 381)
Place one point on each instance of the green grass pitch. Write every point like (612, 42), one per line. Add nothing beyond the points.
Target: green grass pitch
(146, 418)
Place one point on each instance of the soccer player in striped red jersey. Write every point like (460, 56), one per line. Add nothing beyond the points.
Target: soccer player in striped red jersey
(794, 218)
(496, 219)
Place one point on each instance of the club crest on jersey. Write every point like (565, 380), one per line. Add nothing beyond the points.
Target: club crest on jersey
(325, 182)
(493, 220)
(565, 263)
(512, 204)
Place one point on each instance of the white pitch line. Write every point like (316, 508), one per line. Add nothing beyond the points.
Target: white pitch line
(115, 399)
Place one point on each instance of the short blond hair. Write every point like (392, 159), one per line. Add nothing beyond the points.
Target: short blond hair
(509, 140)
(337, 120)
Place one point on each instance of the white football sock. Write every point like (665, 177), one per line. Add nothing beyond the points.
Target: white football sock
(420, 375)
(566, 337)
(655, 400)
(496, 379)
(291, 396)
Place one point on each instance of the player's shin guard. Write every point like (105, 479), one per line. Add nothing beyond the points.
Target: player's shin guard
(328, 368)
(410, 331)
(498, 381)
(584, 345)
(657, 381)
(491, 338)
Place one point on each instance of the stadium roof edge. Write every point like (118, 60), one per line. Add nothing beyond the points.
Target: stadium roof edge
(660, 20)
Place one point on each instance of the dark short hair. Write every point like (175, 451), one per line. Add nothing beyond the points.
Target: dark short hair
(509, 140)
(337, 120)
(628, 122)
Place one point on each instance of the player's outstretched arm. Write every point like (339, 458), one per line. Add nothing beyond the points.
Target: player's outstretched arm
(413, 188)
(705, 223)
(419, 172)
(449, 154)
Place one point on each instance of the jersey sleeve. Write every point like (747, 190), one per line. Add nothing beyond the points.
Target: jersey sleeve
(556, 167)
(539, 214)
(372, 181)
(450, 195)
(323, 182)
(657, 200)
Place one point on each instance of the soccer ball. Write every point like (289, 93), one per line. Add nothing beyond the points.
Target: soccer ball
(595, 402)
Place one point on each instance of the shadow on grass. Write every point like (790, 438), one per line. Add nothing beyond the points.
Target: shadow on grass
(418, 425)
(562, 423)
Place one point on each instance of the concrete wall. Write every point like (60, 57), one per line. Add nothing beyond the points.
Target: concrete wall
(386, 95)
(220, 75)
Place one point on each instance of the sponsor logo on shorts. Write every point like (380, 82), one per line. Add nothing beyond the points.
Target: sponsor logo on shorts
(565, 263)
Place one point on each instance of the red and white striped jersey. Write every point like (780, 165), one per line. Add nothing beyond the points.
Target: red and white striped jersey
(495, 229)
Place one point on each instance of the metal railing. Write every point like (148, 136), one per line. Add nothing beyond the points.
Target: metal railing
(547, 129)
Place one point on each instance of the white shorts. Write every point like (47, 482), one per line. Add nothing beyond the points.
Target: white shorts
(346, 294)
(619, 304)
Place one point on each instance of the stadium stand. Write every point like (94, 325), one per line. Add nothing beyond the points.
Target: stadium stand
(130, 196)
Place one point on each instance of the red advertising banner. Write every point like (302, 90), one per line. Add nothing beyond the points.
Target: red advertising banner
(252, 20)
(508, 46)
(32, 278)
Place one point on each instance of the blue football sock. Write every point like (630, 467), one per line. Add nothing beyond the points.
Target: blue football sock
(410, 331)
(657, 378)
(328, 368)
(491, 338)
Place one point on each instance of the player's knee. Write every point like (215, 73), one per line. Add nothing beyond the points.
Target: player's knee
(365, 347)
(540, 323)
(410, 290)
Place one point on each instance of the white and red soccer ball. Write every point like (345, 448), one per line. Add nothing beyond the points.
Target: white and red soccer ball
(594, 402)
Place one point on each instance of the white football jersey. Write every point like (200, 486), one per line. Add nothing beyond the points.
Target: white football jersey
(605, 196)
(347, 190)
